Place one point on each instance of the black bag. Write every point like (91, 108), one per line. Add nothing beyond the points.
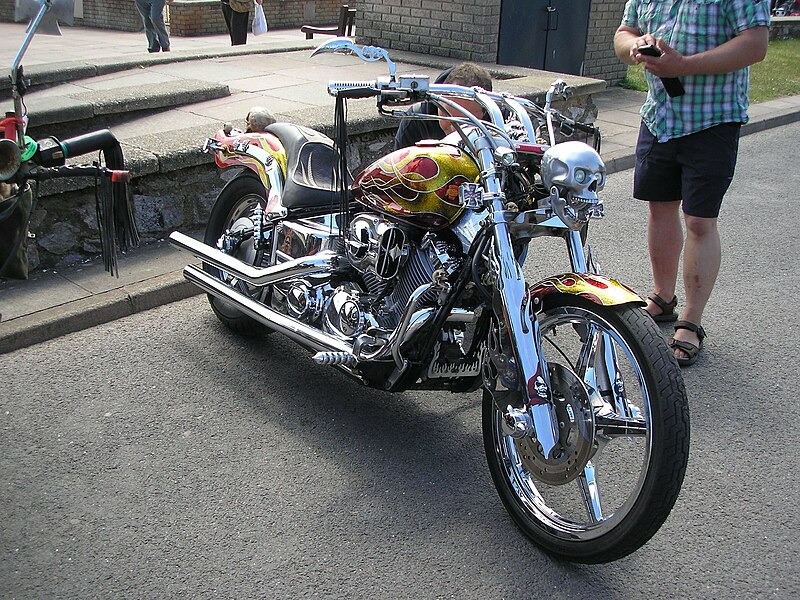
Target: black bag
(15, 214)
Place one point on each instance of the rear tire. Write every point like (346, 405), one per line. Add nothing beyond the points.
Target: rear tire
(233, 210)
(637, 477)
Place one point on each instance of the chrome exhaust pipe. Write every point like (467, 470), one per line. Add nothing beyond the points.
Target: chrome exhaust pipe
(322, 261)
(305, 335)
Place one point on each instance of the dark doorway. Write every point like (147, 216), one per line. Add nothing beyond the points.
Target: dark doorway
(544, 34)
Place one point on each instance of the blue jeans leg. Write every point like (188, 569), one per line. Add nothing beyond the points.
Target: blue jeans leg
(152, 13)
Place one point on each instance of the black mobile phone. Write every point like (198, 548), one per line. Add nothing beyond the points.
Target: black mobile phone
(672, 85)
(649, 50)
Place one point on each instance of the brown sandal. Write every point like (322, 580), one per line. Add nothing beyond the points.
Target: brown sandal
(692, 351)
(668, 313)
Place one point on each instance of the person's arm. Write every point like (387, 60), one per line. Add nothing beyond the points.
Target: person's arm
(747, 48)
(626, 40)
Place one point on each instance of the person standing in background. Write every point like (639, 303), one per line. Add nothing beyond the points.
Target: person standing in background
(152, 12)
(237, 13)
(688, 143)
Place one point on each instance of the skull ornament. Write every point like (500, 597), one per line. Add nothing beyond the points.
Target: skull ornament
(574, 170)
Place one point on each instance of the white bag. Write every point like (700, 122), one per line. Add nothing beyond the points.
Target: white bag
(259, 21)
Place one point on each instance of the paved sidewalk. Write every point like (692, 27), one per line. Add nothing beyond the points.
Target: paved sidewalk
(54, 303)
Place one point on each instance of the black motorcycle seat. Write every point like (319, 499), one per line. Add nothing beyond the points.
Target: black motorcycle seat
(311, 165)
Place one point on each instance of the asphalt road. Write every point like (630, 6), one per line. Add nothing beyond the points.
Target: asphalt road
(161, 456)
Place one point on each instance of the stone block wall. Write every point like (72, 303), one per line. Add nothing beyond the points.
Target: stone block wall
(783, 28)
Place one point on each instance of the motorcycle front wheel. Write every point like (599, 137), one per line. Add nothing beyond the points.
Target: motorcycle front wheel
(637, 437)
(233, 211)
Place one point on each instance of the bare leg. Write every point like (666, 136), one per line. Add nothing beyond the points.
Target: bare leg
(664, 242)
(701, 260)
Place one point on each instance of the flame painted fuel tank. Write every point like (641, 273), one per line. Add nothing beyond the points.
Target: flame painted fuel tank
(418, 185)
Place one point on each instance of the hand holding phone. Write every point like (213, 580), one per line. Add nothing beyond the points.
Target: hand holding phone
(672, 85)
(649, 50)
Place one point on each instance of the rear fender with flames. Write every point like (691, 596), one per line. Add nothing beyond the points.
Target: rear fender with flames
(228, 157)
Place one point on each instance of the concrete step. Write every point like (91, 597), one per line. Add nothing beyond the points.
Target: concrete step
(43, 75)
(71, 109)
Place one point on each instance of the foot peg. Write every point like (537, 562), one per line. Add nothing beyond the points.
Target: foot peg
(335, 358)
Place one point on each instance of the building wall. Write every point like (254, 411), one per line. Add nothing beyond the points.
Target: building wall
(601, 62)
(204, 17)
(469, 31)
(463, 30)
(196, 17)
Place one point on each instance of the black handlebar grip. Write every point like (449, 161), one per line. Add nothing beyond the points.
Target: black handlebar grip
(354, 93)
(585, 128)
(89, 142)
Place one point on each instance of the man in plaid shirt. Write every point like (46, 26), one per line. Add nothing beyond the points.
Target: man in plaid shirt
(687, 147)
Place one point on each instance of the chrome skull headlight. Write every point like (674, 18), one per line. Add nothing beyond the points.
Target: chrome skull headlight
(574, 173)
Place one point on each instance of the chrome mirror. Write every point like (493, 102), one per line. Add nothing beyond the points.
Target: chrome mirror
(343, 45)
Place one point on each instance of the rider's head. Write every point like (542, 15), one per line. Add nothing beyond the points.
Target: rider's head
(468, 75)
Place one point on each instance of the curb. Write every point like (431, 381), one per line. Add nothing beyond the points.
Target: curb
(94, 310)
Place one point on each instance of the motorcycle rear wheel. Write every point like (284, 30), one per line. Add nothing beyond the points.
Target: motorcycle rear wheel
(631, 482)
(233, 210)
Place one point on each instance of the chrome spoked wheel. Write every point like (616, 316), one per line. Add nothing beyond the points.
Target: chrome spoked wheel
(615, 475)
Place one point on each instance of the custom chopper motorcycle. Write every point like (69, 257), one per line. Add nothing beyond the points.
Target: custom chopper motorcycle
(409, 276)
(24, 161)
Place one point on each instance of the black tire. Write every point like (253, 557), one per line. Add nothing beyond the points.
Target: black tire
(648, 470)
(233, 208)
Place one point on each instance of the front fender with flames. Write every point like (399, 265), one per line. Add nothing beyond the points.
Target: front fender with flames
(598, 289)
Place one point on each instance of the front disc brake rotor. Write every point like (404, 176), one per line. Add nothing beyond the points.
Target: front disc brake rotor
(576, 432)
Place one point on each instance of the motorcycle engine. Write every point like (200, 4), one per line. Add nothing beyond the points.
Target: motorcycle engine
(393, 266)
(392, 263)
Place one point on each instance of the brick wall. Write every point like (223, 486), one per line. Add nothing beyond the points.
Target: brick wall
(189, 18)
(601, 62)
(7, 11)
(110, 14)
(469, 31)
(196, 17)
(463, 30)
(204, 17)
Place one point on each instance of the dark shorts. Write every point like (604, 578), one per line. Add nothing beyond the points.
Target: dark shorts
(696, 168)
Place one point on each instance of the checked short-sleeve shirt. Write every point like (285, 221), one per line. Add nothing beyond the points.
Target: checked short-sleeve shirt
(691, 27)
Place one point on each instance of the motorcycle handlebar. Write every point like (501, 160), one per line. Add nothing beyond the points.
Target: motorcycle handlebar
(396, 92)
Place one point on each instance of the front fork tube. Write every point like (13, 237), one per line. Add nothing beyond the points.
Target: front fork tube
(525, 336)
(598, 365)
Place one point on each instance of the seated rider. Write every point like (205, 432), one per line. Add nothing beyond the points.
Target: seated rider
(412, 131)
